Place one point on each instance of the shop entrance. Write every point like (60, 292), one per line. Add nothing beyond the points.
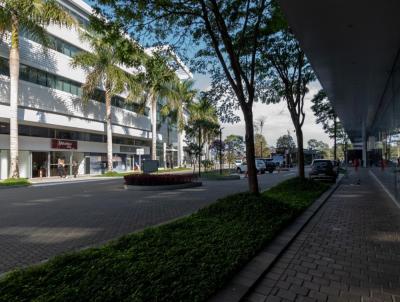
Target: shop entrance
(39, 164)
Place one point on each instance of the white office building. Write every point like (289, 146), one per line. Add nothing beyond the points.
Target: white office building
(53, 121)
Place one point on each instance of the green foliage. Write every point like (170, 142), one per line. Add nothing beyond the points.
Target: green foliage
(186, 260)
(285, 142)
(15, 182)
(260, 146)
(207, 164)
(325, 115)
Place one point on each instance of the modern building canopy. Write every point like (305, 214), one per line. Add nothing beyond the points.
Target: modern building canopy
(353, 47)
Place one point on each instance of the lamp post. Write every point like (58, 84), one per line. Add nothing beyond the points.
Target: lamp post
(220, 150)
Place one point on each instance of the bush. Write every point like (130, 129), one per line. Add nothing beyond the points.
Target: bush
(186, 260)
(15, 182)
(158, 179)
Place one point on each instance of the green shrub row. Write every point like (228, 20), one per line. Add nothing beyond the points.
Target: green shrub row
(186, 260)
(15, 182)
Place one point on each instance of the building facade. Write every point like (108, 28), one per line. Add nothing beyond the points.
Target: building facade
(54, 123)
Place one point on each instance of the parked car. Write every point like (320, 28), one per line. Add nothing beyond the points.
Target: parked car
(260, 166)
(323, 169)
(238, 162)
(270, 166)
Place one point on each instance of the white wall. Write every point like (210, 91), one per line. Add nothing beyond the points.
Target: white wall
(53, 107)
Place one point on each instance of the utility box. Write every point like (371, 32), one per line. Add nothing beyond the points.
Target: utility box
(150, 166)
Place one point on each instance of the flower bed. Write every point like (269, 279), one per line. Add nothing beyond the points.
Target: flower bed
(158, 179)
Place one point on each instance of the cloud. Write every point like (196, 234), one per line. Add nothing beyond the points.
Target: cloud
(278, 121)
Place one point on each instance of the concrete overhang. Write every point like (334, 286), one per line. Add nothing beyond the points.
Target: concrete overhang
(353, 46)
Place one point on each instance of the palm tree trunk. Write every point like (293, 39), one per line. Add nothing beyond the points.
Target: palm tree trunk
(14, 78)
(109, 131)
(153, 128)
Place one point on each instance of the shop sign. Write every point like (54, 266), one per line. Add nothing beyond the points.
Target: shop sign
(64, 144)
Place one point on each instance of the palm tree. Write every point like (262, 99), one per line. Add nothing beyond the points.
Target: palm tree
(203, 123)
(158, 83)
(103, 69)
(31, 16)
(183, 95)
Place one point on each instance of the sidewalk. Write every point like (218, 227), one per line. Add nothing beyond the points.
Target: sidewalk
(349, 251)
(57, 179)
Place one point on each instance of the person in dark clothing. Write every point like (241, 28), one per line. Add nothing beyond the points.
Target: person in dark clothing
(75, 168)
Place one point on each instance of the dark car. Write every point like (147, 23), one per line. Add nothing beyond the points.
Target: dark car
(269, 165)
(323, 169)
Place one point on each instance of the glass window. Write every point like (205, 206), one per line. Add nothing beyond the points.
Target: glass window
(66, 86)
(59, 84)
(32, 75)
(24, 73)
(74, 89)
(4, 67)
(42, 78)
(51, 81)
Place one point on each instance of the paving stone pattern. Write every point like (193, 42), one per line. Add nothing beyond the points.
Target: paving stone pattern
(349, 251)
(37, 223)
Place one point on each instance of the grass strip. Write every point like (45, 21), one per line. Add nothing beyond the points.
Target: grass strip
(186, 260)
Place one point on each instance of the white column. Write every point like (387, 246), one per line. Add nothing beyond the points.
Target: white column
(180, 149)
(3, 164)
(165, 154)
(364, 145)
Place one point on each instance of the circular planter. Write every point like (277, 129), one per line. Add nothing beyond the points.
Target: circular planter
(163, 187)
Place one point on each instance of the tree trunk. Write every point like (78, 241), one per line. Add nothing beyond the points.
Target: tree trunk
(335, 138)
(300, 152)
(109, 131)
(180, 151)
(199, 152)
(250, 152)
(153, 128)
(14, 78)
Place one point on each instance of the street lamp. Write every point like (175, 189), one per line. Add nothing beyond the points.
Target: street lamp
(220, 150)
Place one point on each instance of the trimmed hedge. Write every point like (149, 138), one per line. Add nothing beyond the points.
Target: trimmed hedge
(158, 179)
(15, 182)
(186, 260)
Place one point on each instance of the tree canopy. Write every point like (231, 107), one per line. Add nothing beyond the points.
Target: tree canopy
(223, 38)
(285, 142)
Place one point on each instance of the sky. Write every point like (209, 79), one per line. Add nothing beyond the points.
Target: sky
(277, 117)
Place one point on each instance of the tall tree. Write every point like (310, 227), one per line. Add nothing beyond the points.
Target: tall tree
(182, 95)
(224, 34)
(102, 65)
(202, 126)
(235, 145)
(261, 147)
(288, 80)
(326, 116)
(31, 16)
(285, 142)
(159, 83)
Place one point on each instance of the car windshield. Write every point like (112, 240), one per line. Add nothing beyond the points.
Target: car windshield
(322, 164)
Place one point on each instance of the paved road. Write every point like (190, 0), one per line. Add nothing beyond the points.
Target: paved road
(350, 251)
(39, 222)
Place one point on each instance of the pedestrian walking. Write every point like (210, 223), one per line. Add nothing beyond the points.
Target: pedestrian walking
(75, 168)
(60, 167)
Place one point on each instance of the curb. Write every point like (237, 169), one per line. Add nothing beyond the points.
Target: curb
(163, 187)
(246, 279)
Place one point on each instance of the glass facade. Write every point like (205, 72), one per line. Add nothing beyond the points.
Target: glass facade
(44, 78)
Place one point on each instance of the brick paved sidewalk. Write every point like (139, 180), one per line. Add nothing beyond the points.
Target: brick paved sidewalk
(350, 251)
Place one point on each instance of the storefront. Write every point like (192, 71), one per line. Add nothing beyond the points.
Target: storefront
(42, 158)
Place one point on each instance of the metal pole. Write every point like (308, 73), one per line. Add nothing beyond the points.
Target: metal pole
(220, 151)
